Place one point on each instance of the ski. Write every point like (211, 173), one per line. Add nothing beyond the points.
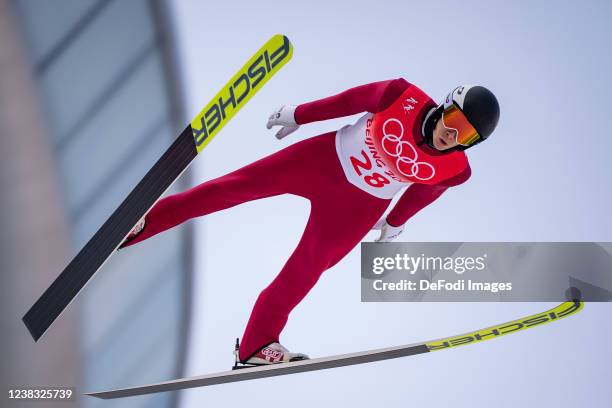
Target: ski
(268, 60)
(563, 310)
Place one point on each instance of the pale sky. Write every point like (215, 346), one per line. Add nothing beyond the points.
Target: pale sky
(543, 176)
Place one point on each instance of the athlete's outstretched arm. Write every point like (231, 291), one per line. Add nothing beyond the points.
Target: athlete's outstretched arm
(414, 199)
(374, 97)
(418, 196)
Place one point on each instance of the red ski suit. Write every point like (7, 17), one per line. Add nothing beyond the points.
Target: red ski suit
(341, 214)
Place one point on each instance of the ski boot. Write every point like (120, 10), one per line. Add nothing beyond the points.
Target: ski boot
(273, 353)
(134, 232)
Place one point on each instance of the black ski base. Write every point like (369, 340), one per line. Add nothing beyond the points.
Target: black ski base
(106, 240)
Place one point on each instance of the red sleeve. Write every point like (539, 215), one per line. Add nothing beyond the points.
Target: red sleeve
(374, 97)
(418, 196)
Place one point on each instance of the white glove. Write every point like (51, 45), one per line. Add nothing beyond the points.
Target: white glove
(284, 116)
(387, 232)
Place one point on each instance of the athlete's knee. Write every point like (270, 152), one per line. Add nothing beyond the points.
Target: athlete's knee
(233, 188)
(335, 258)
(276, 298)
(297, 279)
(209, 196)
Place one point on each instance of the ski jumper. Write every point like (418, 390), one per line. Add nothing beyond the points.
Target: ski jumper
(348, 176)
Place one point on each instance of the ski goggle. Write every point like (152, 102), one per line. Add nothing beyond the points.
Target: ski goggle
(453, 118)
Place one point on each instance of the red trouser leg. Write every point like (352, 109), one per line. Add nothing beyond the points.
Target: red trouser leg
(305, 168)
(338, 221)
(340, 216)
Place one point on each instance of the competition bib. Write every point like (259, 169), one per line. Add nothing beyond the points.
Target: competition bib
(379, 153)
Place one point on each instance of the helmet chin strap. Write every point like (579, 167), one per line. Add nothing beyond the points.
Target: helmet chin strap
(429, 123)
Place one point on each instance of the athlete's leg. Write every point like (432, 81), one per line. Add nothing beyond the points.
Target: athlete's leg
(290, 170)
(338, 221)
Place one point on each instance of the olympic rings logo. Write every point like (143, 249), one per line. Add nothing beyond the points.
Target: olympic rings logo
(407, 156)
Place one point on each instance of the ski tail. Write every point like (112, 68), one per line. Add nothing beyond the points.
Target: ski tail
(56, 298)
(266, 62)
